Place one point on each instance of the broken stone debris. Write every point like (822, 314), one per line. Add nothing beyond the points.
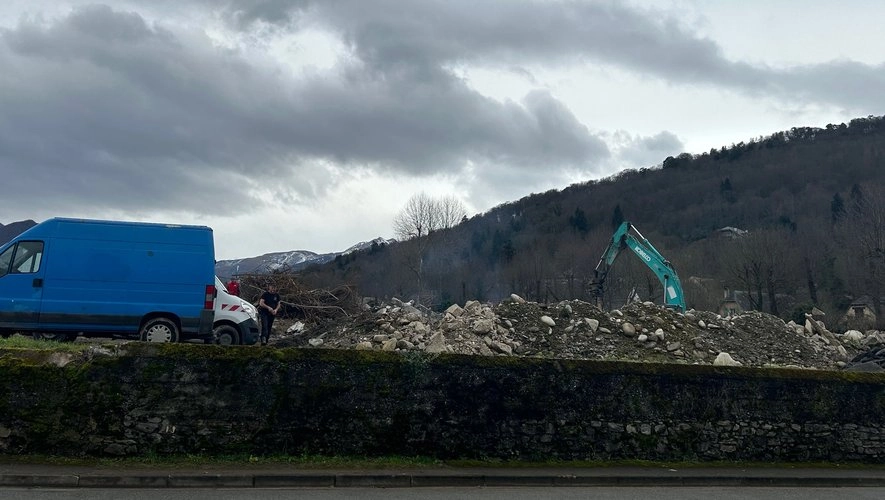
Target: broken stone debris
(645, 332)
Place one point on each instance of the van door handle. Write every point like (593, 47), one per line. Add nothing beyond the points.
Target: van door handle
(38, 282)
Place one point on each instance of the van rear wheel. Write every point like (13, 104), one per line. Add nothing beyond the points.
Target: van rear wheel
(227, 335)
(159, 330)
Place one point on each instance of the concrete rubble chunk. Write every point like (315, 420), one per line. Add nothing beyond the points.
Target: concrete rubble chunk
(455, 310)
(853, 336)
(60, 359)
(297, 327)
(725, 359)
(502, 348)
(517, 298)
(472, 306)
(483, 326)
(437, 344)
(809, 326)
(547, 320)
(413, 316)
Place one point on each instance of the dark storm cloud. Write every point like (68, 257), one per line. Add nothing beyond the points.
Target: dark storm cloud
(134, 114)
(104, 106)
(431, 33)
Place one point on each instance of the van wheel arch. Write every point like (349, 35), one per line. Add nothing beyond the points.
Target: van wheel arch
(159, 329)
(226, 334)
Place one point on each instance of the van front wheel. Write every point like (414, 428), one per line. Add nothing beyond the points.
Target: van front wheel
(227, 335)
(159, 330)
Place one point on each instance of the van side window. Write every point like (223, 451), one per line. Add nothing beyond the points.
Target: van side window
(5, 260)
(27, 257)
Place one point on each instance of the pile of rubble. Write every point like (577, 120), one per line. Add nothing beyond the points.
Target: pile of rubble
(870, 360)
(642, 332)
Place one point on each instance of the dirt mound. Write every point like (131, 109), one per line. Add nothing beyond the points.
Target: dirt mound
(642, 332)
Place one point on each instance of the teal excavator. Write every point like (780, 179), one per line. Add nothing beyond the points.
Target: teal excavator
(627, 236)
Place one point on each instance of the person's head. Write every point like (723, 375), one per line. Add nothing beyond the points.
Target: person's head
(271, 287)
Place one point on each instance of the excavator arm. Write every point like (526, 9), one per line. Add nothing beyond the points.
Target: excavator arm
(627, 236)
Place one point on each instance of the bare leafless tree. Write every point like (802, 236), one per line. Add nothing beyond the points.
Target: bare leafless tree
(424, 214)
(451, 212)
(421, 217)
(759, 263)
(416, 219)
(863, 237)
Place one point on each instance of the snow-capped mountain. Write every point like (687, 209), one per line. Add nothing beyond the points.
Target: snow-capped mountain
(293, 261)
(365, 245)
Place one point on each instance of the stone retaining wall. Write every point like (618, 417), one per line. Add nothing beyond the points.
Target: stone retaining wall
(174, 399)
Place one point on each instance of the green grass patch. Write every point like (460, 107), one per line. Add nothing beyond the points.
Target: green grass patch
(23, 342)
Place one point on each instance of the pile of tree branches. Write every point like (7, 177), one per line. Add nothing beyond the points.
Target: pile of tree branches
(310, 305)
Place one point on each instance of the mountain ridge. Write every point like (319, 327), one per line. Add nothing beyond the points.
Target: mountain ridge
(293, 260)
(13, 229)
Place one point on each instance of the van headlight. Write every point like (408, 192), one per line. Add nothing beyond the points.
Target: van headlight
(250, 309)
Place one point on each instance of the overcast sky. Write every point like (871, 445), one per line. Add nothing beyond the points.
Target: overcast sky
(302, 124)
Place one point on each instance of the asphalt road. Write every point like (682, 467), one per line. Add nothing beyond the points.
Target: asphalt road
(510, 493)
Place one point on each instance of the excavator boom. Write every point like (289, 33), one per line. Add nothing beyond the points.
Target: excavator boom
(627, 236)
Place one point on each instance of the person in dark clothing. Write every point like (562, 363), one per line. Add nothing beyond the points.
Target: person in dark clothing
(268, 307)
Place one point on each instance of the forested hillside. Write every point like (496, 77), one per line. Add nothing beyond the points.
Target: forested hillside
(811, 200)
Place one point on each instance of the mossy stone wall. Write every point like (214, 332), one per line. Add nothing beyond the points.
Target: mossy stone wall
(173, 399)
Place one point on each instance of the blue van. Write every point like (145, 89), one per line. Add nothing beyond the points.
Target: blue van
(69, 277)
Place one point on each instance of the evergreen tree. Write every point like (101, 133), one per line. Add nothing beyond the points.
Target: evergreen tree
(837, 207)
(578, 221)
(617, 217)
